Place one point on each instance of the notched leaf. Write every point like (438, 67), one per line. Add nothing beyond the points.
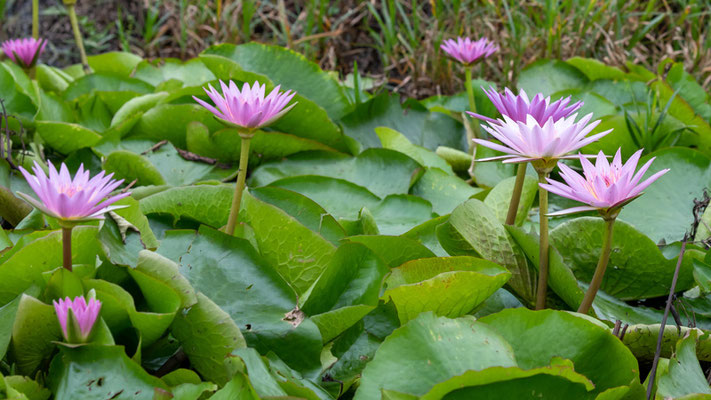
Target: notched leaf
(295, 317)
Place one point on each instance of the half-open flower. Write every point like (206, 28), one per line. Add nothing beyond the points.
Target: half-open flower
(531, 141)
(72, 200)
(518, 108)
(467, 51)
(77, 318)
(248, 109)
(24, 52)
(605, 186)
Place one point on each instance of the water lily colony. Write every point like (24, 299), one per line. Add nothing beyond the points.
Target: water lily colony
(119, 291)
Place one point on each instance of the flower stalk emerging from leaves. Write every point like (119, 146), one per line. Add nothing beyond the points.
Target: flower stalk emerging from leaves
(542, 145)
(77, 318)
(605, 187)
(468, 52)
(24, 52)
(519, 108)
(71, 201)
(247, 110)
(71, 10)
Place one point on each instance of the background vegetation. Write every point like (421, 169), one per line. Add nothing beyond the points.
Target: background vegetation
(396, 42)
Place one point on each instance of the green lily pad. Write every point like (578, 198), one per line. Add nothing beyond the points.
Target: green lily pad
(671, 196)
(583, 340)
(207, 204)
(637, 268)
(24, 266)
(473, 229)
(353, 277)
(550, 76)
(301, 258)
(115, 63)
(381, 171)
(34, 329)
(99, 372)
(427, 351)
(557, 381)
(420, 126)
(394, 140)
(106, 83)
(245, 286)
(394, 250)
(208, 335)
(305, 210)
(449, 286)
(683, 374)
(444, 191)
(65, 137)
(499, 198)
(290, 69)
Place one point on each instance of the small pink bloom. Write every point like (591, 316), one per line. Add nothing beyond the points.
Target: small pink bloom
(467, 51)
(85, 316)
(24, 52)
(519, 107)
(248, 108)
(70, 199)
(530, 141)
(605, 187)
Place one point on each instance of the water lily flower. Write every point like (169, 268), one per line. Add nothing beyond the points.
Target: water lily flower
(518, 108)
(72, 200)
(467, 51)
(544, 144)
(24, 52)
(77, 318)
(247, 109)
(605, 187)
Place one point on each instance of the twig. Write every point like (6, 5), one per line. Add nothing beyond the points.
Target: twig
(667, 309)
(195, 157)
(155, 147)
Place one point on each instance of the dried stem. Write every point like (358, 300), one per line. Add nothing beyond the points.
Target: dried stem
(660, 337)
(516, 195)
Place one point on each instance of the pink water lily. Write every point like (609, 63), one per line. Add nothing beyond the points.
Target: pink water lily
(249, 108)
(605, 186)
(77, 325)
(531, 141)
(518, 108)
(72, 200)
(24, 52)
(468, 51)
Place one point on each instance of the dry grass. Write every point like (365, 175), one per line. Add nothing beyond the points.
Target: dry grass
(397, 41)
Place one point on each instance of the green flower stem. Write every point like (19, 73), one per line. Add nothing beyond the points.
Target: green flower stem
(543, 255)
(67, 247)
(219, 12)
(239, 187)
(601, 266)
(472, 105)
(516, 195)
(77, 36)
(35, 19)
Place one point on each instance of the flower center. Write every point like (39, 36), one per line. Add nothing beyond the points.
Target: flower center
(69, 190)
